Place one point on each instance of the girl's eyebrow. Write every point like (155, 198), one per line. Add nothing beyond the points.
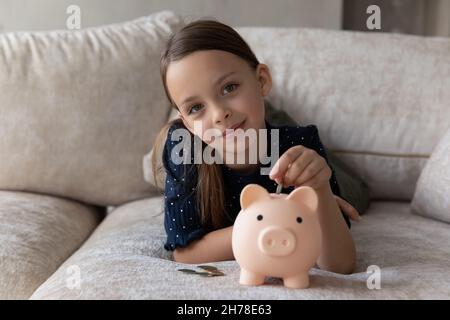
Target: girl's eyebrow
(221, 78)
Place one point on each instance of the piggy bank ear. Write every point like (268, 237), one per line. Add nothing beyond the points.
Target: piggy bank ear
(252, 193)
(305, 195)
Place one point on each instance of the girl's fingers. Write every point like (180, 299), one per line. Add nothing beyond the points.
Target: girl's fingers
(348, 209)
(311, 170)
(298, 167)
(281, 166)
(323, 176)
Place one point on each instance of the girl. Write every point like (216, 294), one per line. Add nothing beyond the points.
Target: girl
(212, 77)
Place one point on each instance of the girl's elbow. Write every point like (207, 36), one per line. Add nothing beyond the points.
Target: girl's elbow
(341, 265)
(347, 269)
(340, 269)
(179, 255)
(186, 255)
(349, 266)
(176, 255)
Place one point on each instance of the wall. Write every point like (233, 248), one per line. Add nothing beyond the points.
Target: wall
(420, 17)
(51, 14)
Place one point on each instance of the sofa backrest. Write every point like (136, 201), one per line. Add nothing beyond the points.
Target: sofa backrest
(79, 109)
(381, 101)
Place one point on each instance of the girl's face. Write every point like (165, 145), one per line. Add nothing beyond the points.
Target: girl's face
(219, 90)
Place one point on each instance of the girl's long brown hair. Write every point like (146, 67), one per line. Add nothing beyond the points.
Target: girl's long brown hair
(196, 36)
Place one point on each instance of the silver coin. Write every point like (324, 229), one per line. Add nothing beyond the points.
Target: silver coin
(279, 187)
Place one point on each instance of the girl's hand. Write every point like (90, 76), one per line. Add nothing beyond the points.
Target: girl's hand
(348, 209)
(300, 166)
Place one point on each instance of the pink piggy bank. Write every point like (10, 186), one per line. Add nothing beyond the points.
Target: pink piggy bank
(277, 235)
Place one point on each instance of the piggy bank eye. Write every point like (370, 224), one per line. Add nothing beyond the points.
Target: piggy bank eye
(259, 217)
(299, 220)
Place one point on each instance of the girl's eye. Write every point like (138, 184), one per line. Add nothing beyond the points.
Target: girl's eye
(231, 85)
(194, 108)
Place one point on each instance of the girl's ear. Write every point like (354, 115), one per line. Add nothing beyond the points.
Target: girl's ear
(252, 193)
(264, 78)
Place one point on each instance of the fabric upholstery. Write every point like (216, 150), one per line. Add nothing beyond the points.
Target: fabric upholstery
(432, 195)
(37, 234)
(79, 109)
(124, 259)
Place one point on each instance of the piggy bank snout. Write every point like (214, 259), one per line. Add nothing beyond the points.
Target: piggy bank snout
(276, 241)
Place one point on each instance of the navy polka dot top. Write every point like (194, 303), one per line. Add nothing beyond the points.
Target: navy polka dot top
(181, 220)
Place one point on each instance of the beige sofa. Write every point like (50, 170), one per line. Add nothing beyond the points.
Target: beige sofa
(79, 111)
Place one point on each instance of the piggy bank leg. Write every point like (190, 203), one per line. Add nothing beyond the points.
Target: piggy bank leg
(300, 281)
(249, 278)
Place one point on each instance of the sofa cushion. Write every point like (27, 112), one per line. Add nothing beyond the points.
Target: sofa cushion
(37, 233)
(432, 195)
(126, 246)
(125, 259)
(380, 100)
(79, 109)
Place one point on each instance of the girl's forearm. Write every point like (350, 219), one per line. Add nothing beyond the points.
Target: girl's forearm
(338, 249)
(214, 246)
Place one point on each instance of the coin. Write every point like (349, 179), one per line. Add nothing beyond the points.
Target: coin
(210, 271)
(279, 187)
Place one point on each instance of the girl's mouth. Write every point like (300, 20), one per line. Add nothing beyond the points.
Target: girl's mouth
(231, 132)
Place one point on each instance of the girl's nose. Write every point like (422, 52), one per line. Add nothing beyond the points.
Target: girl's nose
(220, 114)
